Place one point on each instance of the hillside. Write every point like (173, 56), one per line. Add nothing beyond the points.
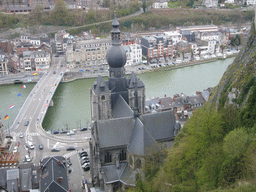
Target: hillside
(216, 149)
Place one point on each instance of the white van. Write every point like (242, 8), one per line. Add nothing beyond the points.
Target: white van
(27, 158)
(30, 145)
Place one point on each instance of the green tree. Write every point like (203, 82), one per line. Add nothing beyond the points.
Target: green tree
(144, 6)
(60, 14)
(235, 142)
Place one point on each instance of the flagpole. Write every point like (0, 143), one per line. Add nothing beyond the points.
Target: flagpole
(9, 129)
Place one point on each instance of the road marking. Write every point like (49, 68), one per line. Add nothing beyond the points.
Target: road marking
(67, 155)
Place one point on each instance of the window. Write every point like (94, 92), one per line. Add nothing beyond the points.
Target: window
(122, 155)
(103, 97)
(108, 157)
(138, 164)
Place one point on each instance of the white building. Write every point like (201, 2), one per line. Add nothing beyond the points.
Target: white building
(207, 36)
(27, 60)
(213, 46)
(41, 59)
(160, 5)
(3, 64)
(35, 41)
(133, 54)
(250, 2)
(211, 3)
(174, 35)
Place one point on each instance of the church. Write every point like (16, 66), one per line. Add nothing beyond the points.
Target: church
(122, 135)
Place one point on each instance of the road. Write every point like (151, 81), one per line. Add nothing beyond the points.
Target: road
(33, 112)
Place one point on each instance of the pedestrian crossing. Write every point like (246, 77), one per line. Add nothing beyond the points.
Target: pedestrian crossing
(27, 134)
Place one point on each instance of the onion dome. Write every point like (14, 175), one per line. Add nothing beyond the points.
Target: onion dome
(116, 55)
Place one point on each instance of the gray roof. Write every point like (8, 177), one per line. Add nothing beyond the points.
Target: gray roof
(142, 142)
(121, 108)
(100, 86)
(196, 99)
(131, 80)
(52, 169)
(3, 177)
(25, 176)
(129, 176)
(112, 173)
(161, 125)
(115, 132)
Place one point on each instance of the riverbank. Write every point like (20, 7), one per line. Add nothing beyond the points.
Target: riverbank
(75, 74)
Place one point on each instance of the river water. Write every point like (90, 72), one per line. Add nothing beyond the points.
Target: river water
(72, 100)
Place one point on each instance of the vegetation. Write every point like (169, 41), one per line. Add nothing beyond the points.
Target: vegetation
(215, 150)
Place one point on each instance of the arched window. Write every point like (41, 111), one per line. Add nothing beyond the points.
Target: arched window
(108, 157)
(122, 155)
(138, 164)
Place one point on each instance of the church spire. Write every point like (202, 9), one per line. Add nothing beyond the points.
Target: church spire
(115, 32)
(136, 104)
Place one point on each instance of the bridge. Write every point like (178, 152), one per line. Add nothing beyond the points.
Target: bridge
(31, 115)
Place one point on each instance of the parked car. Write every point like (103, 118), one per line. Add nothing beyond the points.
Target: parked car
(56, 132)
(71, 133)
(55, 150)
(83, 154)
(71, 148)
(21, 135)
(26, 123)
(41, 146)
(84, 129)
(86, 164)
(64, 132)
(15, 149)
(9, 136)
(85, 161)
(85, 157)
(86, 168)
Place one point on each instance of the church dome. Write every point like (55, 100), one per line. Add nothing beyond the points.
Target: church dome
(116, 57)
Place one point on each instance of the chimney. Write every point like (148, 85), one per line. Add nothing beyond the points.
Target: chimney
(60, 179)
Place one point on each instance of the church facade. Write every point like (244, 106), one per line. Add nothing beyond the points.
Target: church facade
(121, 133)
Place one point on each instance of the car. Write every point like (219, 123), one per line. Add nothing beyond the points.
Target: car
(21, 135)
(26, 123)
(64, 132)
(85, 157)
(55, 150)
(54, 72)
(15, 149)
(83, 154)
(30, 145)
(69, 170)
(69, 162)
(27, 158)
(84, 129)
(86, 168)
(71, 148)
(71, 133)
(41, 146)
(85, 161)
(9, 136)
(56, 132)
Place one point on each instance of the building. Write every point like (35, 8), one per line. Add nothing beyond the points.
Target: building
(156, 47)
(122, 133)
(133, 54)
(3, 63)
(210, 3)
(174, 35)
(87, 53)
(54, 174)
(27, 61)
(160, 4)
(41, 60)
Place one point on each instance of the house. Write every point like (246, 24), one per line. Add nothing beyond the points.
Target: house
(133, 54)
(174, 35)
(160, 4)
(29, 176)
(122, 133)
(3, 64)
(210, 3)
(54, 174)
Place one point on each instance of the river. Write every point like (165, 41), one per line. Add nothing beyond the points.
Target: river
(71, 100)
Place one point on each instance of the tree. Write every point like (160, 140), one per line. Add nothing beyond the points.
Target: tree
(60, 13)
(144, 6)
(222, 46)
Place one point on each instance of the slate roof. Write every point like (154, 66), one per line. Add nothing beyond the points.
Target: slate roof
(166, 103)
(131, 79)
(25, 176)
(100, 86)
(196, 99)
(112, 173)
(121, 108)
(160, 125)
(115, 132)
(51, 171)
(142, 142)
